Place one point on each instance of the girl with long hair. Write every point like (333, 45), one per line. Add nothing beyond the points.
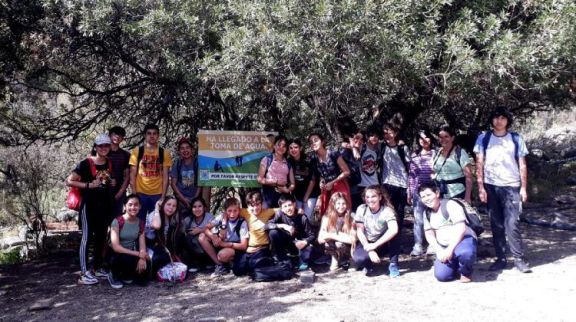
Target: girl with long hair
(306, 189)
(376, 228)
(331, 169)
(275, 173)
(162, 226)
(194, 228)
(337, 231)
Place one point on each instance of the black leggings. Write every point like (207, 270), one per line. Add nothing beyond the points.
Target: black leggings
(124, 268)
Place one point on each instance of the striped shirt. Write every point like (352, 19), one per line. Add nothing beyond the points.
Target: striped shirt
(420, 170)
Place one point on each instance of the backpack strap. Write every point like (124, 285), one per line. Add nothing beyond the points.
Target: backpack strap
(402, 155)
(178, 170)
(515, 138)
(121, 221)
(238, 227)
(142, 224)
(161, 156)
(92, 167)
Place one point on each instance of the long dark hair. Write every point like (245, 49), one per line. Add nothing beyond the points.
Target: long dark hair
(298, 142)
(169, 239)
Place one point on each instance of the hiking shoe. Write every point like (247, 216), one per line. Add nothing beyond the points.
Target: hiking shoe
(193, 269)
(303, 267)
(87, 279)
(465, 279)
(498, 265)
(522, 265)
(417, 250)
(114, 282)
(101, 273)
(220, 270)
(430, 251)
(370, 272)
(127, 282)
(393, 270)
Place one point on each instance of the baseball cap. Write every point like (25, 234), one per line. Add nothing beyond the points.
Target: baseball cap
(102, 139)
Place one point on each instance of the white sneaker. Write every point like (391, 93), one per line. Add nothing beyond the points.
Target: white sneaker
(334, 264)
(87, 279)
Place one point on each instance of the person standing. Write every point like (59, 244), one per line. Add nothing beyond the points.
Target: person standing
(502, 179)
(183, 176)
(149, 166)
(120, 168)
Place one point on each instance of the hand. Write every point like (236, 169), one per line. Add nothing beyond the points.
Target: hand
(287, 228)
(322, 184)
(119, 195)
(482, 195)
(141, 267)
(95, 183)
(523, 194)
(195, 231)
(369, 247)
(158, 204)
(281, 182)
(301, 244)
(186, 203)
(409, 199)
(374, 257)
(329, 186)
(443, 255)
(282, 189)
(217, 241)
(142, 254)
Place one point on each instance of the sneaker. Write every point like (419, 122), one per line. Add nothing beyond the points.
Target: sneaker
(303, 267)
(220, 270)
(417, 250)
(465, 279)
(87, 279)
(193, 269)
(430, 251)
(127, 282)
(334, 264)
(393, 270)
(113, 282)
(101, 273)
(522, 265)
(370, 272)
(498, 265)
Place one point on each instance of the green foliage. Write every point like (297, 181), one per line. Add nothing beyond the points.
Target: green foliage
(10, 257)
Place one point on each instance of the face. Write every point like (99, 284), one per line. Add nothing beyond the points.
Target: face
(500, 122)
(116, 138)
(340, 205)
(430, 198)
(152, 136)
(357, 140)
(373, 139)
(372, 199)
(255, 207)
(446, 140)
(185, 151)
(315, 143)
(294, 150)
(170, 207)
(280, 147)
(132, 207)
(233, 212)
(424, 141)
(389, 134)
(102, 149)
(289, 208)
(198, 208)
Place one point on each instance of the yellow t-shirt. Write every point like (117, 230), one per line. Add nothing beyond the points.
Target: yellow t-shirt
(149, 177)
(258, 236)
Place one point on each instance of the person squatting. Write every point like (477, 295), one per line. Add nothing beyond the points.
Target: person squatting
(339, 207)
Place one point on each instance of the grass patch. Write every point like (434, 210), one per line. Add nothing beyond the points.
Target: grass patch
(10, 257)
(549, 180)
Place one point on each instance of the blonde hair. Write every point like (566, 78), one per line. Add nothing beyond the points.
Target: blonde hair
(332, 214)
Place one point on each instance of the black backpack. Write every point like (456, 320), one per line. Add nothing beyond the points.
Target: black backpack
(472, 218)
(265, 270)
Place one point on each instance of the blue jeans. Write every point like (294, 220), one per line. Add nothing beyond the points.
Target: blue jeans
(147, 204)
(504, 209)
(362, 259)
(308, 207)
(462, 261)
(419, 213)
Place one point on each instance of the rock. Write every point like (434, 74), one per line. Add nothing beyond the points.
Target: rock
(537, 153)
(212, 319)
(43, 304)
(565, 199)
(10, 242)
(307, 277)
(66, 215)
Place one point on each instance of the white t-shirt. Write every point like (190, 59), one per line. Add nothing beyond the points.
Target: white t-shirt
(375, 224)
(393, 170)
(444, 228)
(500, 165)
(368, 168)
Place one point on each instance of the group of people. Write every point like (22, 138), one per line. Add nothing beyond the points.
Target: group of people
(341, 206)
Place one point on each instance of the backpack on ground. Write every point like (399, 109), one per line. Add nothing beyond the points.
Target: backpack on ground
(276, 272)
(472, 218)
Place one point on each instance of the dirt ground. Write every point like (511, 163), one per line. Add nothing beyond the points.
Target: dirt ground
(546, 294)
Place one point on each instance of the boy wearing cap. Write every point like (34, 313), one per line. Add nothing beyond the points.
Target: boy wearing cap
(120, 168)
(502, 179)
(149, 166)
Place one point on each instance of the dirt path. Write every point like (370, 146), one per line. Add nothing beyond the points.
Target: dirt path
(546, 294)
